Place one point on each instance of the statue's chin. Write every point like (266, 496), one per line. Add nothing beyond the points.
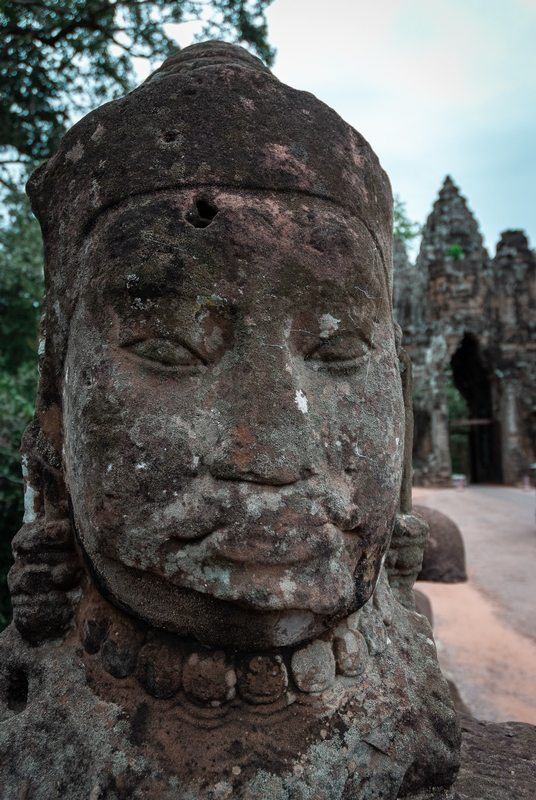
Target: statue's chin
(212, 621)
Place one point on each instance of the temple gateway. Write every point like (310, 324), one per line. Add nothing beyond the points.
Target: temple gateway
(469, 325)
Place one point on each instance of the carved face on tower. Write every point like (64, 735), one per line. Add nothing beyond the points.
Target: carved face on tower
(230, 396)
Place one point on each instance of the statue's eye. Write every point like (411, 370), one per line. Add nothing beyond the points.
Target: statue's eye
(166, 353)
(340, 352)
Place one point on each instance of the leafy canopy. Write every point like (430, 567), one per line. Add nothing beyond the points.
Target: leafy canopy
(21, 282)
(404, 228)
(65, 57)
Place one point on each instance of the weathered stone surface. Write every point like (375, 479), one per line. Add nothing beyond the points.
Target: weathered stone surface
(423, 606)
(209, 678)
(361, 736)
(313, 667)
(498, 762)
(457, 699)
(444, 558)
(160, 668)
(462, 311)
(262, 679)
(404, 558)
(213, 477)
(350, 650)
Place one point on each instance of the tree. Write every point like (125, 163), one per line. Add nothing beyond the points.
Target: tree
(404, 228)
(65, 57)
(21, 283)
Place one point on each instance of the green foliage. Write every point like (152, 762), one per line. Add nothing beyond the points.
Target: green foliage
(21, 283)
(21, 291)
(456, 405)
(455, 251)
(404, 228)
(68, 56)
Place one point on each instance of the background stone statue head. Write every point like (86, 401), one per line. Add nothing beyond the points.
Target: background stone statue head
(220, 420)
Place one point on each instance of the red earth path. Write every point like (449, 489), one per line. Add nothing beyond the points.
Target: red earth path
(485, 629)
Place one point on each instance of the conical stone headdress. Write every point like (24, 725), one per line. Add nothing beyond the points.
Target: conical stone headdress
(212, 115)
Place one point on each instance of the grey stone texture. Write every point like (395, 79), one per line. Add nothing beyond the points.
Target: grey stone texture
(459, 309)
(444, 557)
(498, 762)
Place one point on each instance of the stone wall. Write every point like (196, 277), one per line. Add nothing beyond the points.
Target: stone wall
(470, 320)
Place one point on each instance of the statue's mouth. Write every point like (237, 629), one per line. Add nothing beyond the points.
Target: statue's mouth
(206, 507)
(279, 568)
(261, 546)
(306, 566)
(267, 549)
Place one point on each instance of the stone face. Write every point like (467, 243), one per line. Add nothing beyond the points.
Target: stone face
(465, 314)
(215, 517)
(165, 438)
(444, 558)
(186, 392)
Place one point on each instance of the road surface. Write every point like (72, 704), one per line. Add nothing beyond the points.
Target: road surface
(486, 629)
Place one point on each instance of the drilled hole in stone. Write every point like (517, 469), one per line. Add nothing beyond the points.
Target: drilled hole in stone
(17, 691)
(206, 210)
(169, 136)
(203, 215)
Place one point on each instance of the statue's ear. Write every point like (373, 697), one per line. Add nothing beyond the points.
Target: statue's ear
(410, 531)
(406, 376)
(46, 572)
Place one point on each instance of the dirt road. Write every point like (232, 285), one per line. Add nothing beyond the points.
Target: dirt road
(486, 629)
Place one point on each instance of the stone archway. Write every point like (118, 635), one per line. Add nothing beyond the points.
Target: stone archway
(472, 379)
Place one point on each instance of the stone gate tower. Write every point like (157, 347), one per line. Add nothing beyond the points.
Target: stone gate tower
(470, 320)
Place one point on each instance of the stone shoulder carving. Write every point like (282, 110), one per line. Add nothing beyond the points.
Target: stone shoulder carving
(44, 580)
(349, 710)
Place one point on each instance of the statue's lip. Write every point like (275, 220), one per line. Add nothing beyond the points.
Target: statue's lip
(259, 547)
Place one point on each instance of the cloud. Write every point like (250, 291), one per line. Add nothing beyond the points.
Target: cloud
(436, 87)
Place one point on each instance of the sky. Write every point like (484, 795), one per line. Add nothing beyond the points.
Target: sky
(436, 86)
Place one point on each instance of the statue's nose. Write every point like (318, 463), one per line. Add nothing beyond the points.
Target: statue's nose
(268, 438)
(251, 456)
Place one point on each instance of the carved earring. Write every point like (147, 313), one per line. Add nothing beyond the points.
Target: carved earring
(410, 532)
(46, 573)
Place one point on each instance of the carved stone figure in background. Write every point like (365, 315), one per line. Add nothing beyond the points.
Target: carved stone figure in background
(468, 320)
(201, 594)
(444, 558)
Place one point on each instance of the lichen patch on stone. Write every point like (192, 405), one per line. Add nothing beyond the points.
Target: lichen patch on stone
(301, 401)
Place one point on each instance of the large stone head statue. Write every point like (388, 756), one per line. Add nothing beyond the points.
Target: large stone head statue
(215, 466)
